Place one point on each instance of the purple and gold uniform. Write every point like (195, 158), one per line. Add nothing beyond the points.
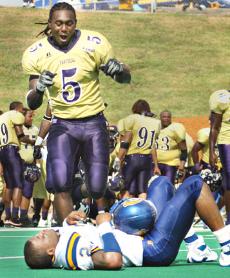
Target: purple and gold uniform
(219, 103)
(138, 166)
(26, 153)
(78, 125)
(9, 148)
(168, 152)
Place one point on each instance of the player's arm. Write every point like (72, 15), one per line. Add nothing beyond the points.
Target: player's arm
(21, 136)
(125, 141)
(117, 70)
(156, 169)
(37, 86)
(183, 156)
(216, 120)
(197, 147)
(110, 257)
(43, 131)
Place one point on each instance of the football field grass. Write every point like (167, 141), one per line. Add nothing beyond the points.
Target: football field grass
(12, 263)
(177, 59)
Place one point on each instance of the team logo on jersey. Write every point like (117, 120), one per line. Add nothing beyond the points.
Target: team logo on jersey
(48, 54)
(131, 202)
(34, 48)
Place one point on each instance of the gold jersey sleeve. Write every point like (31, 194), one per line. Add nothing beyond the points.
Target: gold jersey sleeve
(26, 150)
(76, 92)
(121, 127)
(7, 130)
(203, 138)
(219, 103)
(144, 133)
(168, 151)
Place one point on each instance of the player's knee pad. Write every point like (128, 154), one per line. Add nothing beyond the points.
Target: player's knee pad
(160, 188)
(27, 190)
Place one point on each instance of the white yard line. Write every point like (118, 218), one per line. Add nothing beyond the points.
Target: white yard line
(13, 257)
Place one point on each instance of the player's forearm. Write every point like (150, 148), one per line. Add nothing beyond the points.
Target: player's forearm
(25, 139)
(34, 99)
(44, 128)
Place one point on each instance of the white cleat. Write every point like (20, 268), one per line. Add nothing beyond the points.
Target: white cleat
(44, 223)
(224, 259)
(199, 252)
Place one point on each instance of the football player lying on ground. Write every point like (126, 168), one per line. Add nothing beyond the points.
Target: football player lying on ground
(102, 247)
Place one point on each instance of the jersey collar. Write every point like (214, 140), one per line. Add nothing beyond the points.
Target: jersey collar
(71, 44)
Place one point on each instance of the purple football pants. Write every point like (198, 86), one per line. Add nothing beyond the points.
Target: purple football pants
(69, 140)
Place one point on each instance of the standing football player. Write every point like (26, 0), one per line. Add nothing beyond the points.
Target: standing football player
(137, 148)
(11, 134)
(171, 147)
(65, 65)
(26, 153)
(219, 103)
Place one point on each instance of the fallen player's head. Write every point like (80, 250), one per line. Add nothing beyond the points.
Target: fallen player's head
(40, 249)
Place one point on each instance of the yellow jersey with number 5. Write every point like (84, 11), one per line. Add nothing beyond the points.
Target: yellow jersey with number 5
(76, 92)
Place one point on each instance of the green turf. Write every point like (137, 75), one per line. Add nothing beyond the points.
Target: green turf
(11, 244)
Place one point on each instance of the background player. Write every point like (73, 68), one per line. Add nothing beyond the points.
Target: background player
(171, 147)
(137, 149)
(219, 103)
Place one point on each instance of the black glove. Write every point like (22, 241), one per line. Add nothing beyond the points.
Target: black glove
(45, 80)
(37, 154)
(112, 67)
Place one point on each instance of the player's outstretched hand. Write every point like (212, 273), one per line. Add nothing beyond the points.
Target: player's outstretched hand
(112, 67)
(45, 80)
(103, 217)
(75, 216)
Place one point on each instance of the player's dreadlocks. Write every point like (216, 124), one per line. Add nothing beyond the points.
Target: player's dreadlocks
(56, 7)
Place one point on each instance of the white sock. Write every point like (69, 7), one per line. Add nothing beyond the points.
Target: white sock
(223, 235)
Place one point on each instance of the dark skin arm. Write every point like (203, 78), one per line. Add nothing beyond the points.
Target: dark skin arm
(34, 98)
(195, 154)
(45, 124)
(182, 146)
(101, 259)
(216, 120)
(127, 137)
(106, 260)
(25, 138)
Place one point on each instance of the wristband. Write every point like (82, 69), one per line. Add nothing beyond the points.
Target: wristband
(47, 118)
(124, 145)
(39, 141)
(110, 243)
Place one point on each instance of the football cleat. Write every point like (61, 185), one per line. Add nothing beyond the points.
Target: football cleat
(224, 259)
(199, 252)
